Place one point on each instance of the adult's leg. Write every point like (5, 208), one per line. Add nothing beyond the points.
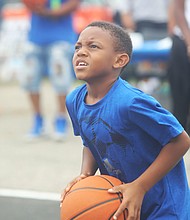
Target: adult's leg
(32, 76)
(35, 100)
(61, 75)
(179, 78)
(61, 104)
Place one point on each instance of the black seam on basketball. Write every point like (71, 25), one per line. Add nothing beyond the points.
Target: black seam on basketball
(111, 216)
(118, 194)
(106, 180)
(85, 210)
(83, 188)
(120, 199)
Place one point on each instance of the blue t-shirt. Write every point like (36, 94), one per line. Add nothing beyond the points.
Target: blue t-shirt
(125, 131)
(44, 30)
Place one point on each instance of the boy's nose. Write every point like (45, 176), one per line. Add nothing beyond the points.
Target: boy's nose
(82, 52)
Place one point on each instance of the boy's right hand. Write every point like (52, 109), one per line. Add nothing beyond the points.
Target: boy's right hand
(68, 187)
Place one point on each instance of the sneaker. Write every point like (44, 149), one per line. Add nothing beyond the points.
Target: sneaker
(60, 128)
(38, 127)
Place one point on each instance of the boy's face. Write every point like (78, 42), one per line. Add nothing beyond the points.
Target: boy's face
(94, 56)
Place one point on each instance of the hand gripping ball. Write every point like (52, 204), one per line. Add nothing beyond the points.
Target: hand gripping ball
(89, 199)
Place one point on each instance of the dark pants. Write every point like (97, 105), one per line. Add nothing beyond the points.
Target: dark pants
(179, 78)
(152, 30)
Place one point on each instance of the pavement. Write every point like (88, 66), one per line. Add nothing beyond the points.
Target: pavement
(33, 174)
(40, 165)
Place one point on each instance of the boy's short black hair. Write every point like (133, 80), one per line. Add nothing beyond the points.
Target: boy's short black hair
(121, 39)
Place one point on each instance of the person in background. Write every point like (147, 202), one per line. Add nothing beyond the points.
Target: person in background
(146, 17)
(171, 18)
(146, 20)
(179, 64)
(117, 8)
(51, 37)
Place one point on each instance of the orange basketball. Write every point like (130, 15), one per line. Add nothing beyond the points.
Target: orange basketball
(89, 199)
(32, 4)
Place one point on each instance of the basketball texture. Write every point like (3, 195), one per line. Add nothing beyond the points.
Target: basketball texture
(89, 199)
(32, 4)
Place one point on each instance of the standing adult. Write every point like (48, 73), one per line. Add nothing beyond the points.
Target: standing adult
(51, 38)
(147, 17)
(179, 66)
(150, 19)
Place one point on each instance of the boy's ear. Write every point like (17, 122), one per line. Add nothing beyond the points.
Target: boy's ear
(121, 60)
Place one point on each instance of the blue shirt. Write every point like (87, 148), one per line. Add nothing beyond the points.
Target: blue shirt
(46, 30)
(126, 131)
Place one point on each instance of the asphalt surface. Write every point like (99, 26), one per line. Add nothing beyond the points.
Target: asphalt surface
(28, 209)
(33, 173)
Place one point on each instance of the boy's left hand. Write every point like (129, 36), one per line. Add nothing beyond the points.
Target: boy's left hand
(133, 196)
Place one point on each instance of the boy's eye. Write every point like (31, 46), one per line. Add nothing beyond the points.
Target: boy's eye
(77, 47)
(93, 46)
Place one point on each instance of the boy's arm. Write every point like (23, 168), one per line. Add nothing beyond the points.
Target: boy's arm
(88, 168)
(89, 165)
(66, 8)
(169, 156)
(133, 193)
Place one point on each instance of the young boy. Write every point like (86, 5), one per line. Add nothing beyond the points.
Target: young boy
(126, 133)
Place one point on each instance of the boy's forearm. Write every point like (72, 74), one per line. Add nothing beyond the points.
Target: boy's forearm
(169, 156)
(89, 165)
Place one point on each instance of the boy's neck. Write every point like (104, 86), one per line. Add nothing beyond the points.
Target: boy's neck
(97, 91)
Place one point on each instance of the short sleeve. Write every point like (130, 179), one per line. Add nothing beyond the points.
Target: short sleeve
(155, 120)
(71, 105)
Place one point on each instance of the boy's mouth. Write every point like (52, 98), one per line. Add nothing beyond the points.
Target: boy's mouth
(81, 63)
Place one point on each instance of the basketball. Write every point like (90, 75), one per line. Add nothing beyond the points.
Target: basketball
(89, 199)
(32, 4)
